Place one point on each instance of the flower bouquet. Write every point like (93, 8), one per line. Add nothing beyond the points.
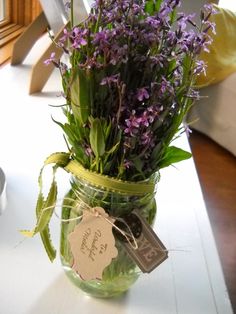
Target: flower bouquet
(128, 84)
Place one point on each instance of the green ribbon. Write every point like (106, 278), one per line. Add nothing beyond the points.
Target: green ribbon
(102, 181)
(45, 207)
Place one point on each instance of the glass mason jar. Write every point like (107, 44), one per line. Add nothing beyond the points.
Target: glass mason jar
(122, 272)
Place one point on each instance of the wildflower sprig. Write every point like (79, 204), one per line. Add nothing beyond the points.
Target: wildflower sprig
(129, 84)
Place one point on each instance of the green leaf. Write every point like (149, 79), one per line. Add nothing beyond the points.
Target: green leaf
(172, 155)
(73, 134)
(113, 149)
(107, 129)
(149, 7)
(187, 64)
(108, 166)
(80, 96)
(173, 15)
(158, 5)
(152, 6)
(172, 66)
(138, 164)
(97, 138)
(156, 151)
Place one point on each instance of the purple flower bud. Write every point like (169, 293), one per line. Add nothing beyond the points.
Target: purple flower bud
(132, 124)
(110, 79)
(146, 138)
(155, 23)
(127, 164)
(210, 25)
(88, 151)
(200, 67)
(142, 94)
(184, 19)
(209, 9)
(50, 60)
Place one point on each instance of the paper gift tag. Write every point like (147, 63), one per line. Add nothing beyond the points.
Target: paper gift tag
(93, 244)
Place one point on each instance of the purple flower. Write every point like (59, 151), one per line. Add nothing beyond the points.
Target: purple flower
(200, 67)
(146, 63)
(145, 119)
(118, 54)
(209, 10)
(210, 25)
(187, 130)
(165, 11)
(127, 164)
(147, 138)
(149, 38)
(194, 94)
(132, 124)
(78, 37)
(165, 86)
(88, 151)
(66, 35)
(157, 60)
(184, 19)
(50, 60)
(110, 79)
(100, 38)
(155, 23)
(142, 94)
(138, 9)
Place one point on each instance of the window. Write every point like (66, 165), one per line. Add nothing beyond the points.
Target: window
(2, 9)
(15, 16)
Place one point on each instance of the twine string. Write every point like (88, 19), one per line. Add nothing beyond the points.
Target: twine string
(81, 205)
(92, 210)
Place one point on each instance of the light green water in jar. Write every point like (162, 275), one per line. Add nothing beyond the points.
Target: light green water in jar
(122, 273)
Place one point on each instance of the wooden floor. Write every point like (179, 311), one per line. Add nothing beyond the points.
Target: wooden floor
(217, 173)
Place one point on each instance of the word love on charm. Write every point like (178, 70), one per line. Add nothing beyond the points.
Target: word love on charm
(150, 251)
(93, 244)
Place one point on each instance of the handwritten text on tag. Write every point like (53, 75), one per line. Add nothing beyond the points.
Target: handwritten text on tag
(93, 244)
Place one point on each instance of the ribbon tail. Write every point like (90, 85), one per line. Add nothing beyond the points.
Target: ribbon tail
(44, 211)
(47, 242)
(28, 233)
(60, 159)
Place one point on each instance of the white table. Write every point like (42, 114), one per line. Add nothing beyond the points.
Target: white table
(190, 281)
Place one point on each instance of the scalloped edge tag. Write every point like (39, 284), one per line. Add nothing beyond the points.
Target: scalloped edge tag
(92, 244)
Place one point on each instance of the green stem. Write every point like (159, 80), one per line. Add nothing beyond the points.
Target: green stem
(72, 13)
(98, 20)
